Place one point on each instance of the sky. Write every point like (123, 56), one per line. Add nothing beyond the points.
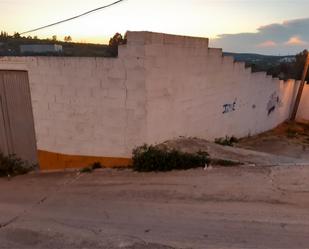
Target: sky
(255, 26)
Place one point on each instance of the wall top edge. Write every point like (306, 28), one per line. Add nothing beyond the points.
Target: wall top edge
(146, 37)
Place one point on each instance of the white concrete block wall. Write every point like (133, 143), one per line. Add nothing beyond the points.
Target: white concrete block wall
(160, 87)
(87, 106)
(186, 95)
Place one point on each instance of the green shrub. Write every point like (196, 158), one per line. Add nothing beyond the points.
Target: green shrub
(150, 158)
(91, 168)
(12, 166)
(96, 165)
(86, 170)
(227, 141)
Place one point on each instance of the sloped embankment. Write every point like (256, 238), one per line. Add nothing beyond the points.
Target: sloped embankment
(244, 156)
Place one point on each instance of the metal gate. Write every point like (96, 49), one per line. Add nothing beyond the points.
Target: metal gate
(17, 135)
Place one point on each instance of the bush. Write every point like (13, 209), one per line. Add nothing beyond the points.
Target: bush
(150, 158)
(96, 165)
(86, 170)
(227, 141)
(91, 168)
(12, 166)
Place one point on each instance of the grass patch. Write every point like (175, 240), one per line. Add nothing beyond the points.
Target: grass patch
(11, 165)
(227, 141)
(150, 158)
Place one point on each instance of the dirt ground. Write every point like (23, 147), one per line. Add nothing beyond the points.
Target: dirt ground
(237, 207)
(289, 139)
(262, 204)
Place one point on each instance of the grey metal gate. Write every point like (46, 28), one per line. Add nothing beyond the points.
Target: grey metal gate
(17, 135)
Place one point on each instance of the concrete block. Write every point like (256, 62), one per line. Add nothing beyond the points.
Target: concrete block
(136, 74)
(239, 66)
(136, 38)
(215, 52)
(157, 38)
(174, 40)
(132, 62)
(228, 60)
(118, 71)
(83, 92)
(123, 51)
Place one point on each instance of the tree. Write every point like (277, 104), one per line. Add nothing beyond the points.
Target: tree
(299, 64)
(68, 38)
(16, 35)
(4, 34)
(114, 42)
(289, 70)
(54, 38)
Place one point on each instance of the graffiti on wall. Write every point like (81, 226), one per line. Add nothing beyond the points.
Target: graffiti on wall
(273, 103)
(229, 107)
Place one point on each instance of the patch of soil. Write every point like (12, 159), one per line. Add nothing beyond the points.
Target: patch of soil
(251, 155)
(290, 139)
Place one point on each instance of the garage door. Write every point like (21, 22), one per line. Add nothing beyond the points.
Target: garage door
(17, 134)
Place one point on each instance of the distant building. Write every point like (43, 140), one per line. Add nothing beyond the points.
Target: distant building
(287, 59)
(40, 48)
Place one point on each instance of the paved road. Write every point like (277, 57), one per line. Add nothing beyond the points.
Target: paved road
(221, 208)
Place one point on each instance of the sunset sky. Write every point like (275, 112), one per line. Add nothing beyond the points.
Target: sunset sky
(262, 26)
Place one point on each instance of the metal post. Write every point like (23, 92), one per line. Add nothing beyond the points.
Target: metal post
(300, 90)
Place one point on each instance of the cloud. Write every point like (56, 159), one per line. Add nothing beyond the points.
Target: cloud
(267, 44)
(289, 37)
(295, 41)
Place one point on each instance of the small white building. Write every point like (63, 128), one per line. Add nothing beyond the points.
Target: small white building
(288, 59)
(41, 48)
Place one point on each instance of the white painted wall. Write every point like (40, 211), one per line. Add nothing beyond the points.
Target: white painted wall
(188, 86)
(160, 87)
(87, 106)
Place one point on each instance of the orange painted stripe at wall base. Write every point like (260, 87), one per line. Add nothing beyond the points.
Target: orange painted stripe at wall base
(57, 161)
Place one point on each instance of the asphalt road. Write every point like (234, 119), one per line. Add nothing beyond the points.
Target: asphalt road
(258, 207)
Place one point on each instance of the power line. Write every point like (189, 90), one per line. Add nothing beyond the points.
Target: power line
(72, 18)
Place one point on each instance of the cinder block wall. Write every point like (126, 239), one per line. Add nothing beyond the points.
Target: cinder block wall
(193, 90)
(160, 87)
(89, 107)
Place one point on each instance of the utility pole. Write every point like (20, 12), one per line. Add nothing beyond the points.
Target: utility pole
(300, 90)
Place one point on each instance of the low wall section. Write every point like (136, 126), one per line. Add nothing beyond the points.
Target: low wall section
(160, 87)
